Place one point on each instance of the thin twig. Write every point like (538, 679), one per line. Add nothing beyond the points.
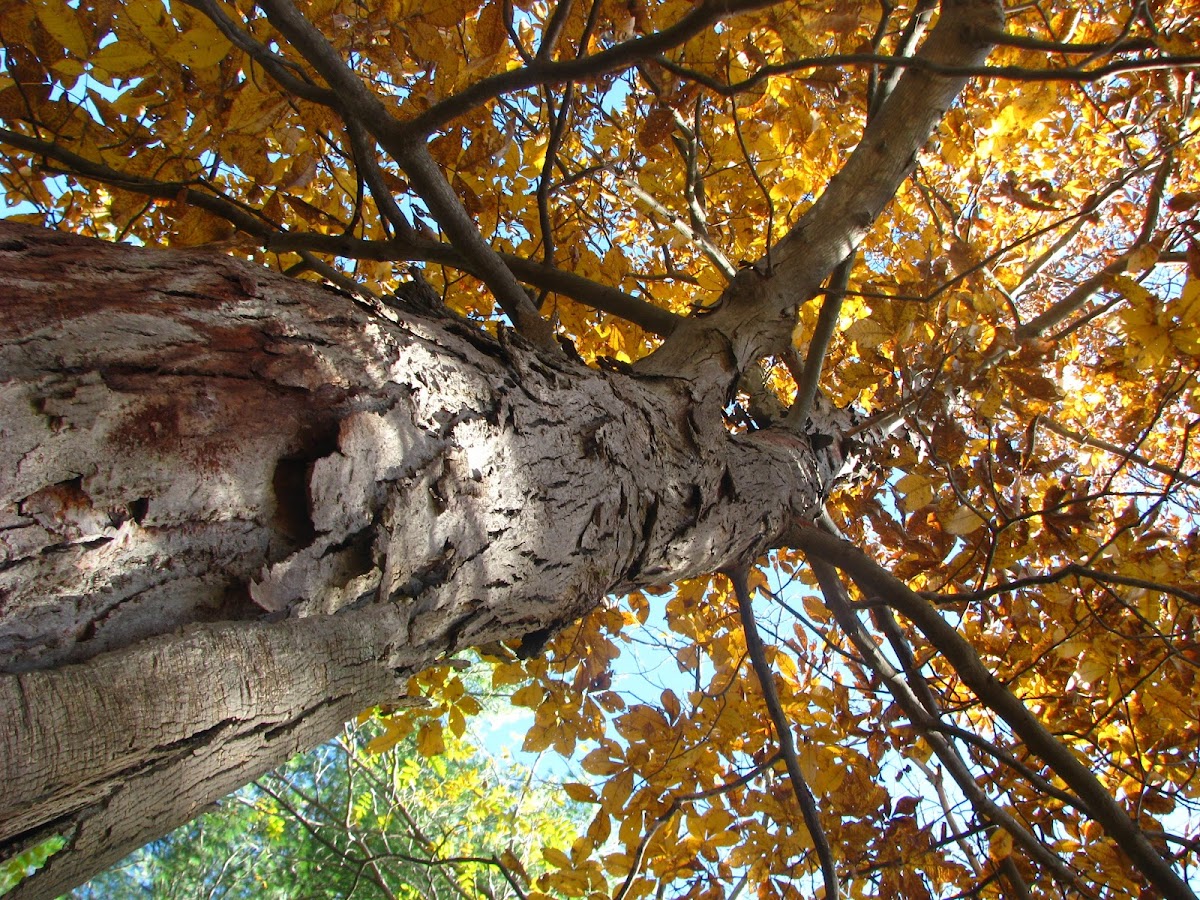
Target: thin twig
(1008, 73)
(783, 731)
(769, 228)
(639, 856)
(705, 245)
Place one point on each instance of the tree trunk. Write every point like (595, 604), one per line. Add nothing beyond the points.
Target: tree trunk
(238, 509)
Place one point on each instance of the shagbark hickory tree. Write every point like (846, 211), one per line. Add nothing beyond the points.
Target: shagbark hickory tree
(498, 324)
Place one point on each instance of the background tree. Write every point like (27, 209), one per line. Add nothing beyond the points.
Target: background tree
(630, 294)
(342, 821)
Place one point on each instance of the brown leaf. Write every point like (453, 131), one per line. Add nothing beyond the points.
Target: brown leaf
(1183, 201)
(1035, 384)
(656, 128)
(489, 30)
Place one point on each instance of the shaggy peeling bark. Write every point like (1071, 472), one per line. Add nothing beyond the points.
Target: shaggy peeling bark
(238, 509)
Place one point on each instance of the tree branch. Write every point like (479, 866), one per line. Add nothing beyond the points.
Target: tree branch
(1058, 575)
(582, 68)
(1085, 440)
(783, 731)
(920, 63)
(368, 165)
(914, 30)
(427, 179)
(276, 66)
(714, 254)
(757, 313)
(558, 127)
(357, 101)
(818, 345)
(237, 215)
(651, 318)
(553, 30)
(876, 581)
(915, 708)
(1084, 291)
(676, 804)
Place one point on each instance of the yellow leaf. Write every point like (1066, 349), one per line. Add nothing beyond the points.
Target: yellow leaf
(617, 864)
(1027, 107)
(815, 608)
(916, 491)
(63, 24)
(253, 111)
(489, 30)
(531, 695)
(1133, 291)
(992, 400)
(469, 706)
(868, 334)
(598, 762)
(1187, 339)
(429, 739)
(152, 21)
(536, 740)
(1000, 845)
(200, 47)
(513, 863)
(963, 520)
(670, 703)
(580, 793)
(395, 731)
(1187, 307)
(508, 673)
(458, 722)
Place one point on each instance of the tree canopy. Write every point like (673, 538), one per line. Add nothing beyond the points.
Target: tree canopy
(971, 229)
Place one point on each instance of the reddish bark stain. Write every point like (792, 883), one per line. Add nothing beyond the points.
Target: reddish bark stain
(63, 502)
(210, 422)
(65, 277)
(238, 387)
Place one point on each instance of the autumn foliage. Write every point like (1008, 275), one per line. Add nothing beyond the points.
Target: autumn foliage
(1017, 335)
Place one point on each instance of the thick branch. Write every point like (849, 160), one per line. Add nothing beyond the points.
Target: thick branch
(758, 310)
(286, 685)
(875, 581)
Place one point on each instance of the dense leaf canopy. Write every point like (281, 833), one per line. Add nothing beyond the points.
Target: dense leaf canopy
(1013, 710)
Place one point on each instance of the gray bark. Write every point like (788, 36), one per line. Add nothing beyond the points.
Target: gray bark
(237, 509)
